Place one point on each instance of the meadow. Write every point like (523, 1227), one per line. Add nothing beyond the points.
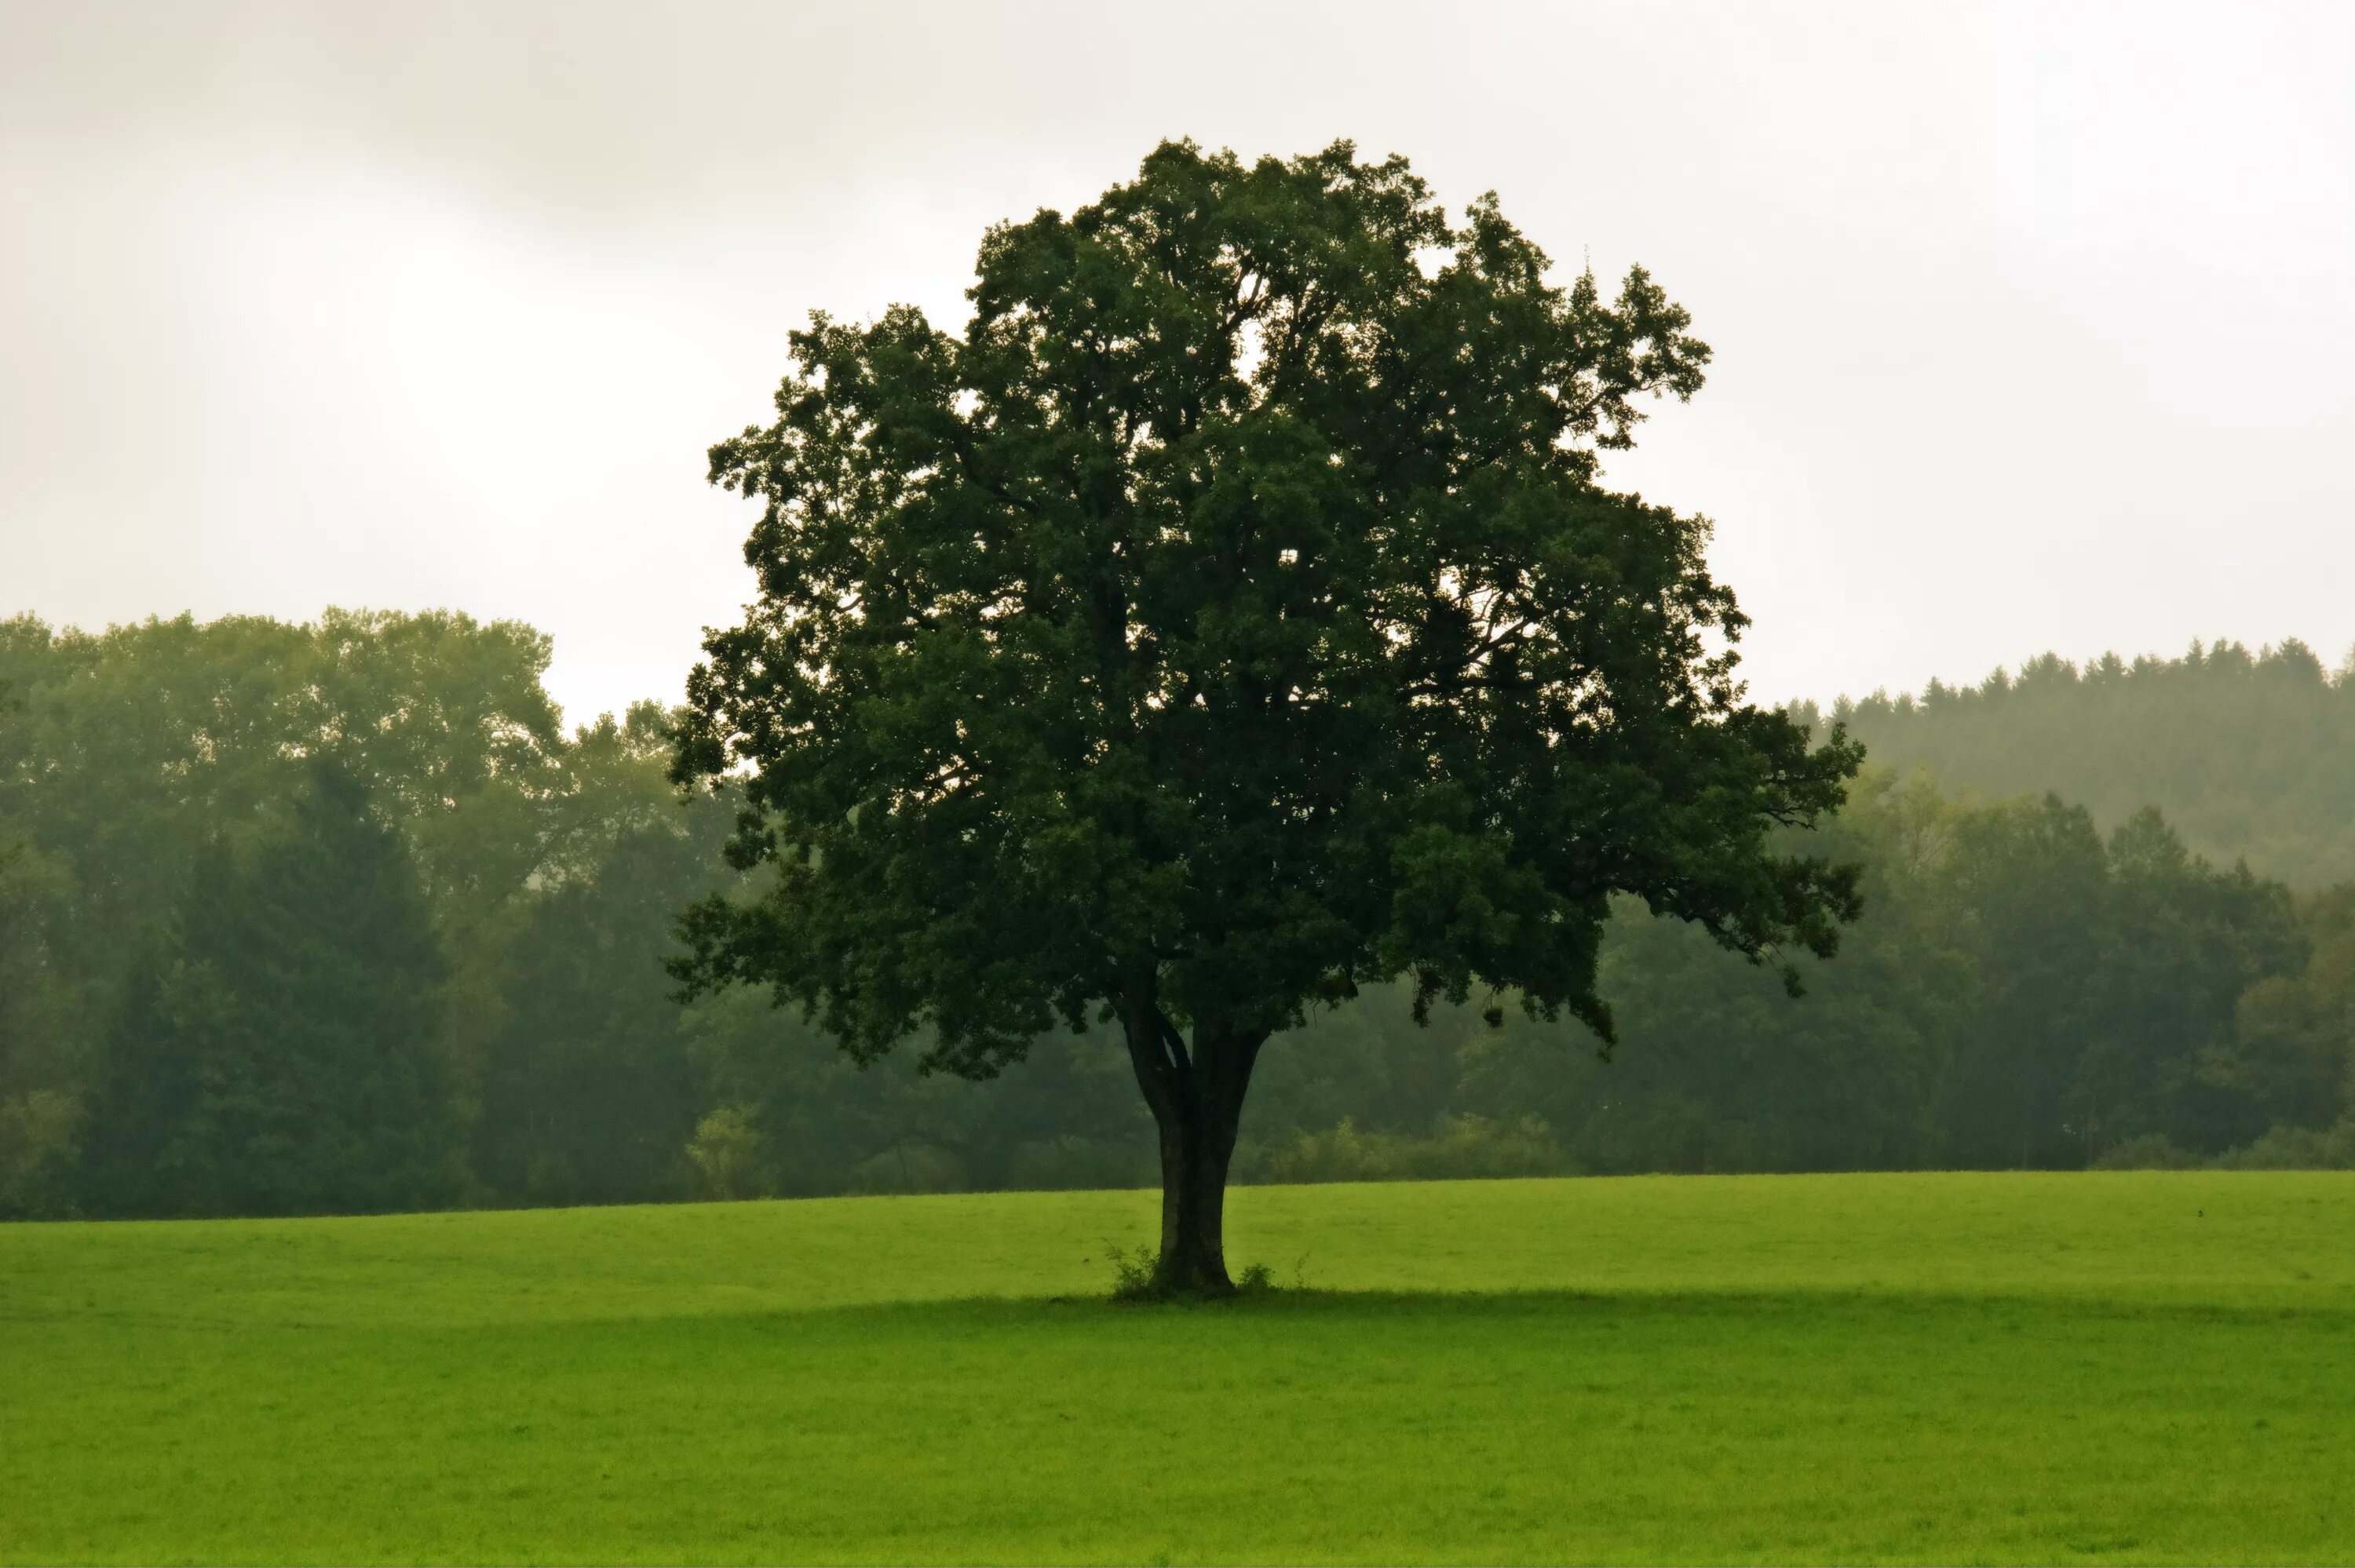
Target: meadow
(2128, 1367)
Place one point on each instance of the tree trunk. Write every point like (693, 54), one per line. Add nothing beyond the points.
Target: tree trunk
(1197, 1097)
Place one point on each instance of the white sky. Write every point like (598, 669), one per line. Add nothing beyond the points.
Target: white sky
(2033, 323)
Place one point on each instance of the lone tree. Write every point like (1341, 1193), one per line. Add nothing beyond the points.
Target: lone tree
(1230, 619)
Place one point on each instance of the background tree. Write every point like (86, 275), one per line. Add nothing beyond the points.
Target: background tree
(134, 748)
(46, 1040)
(587, 1093)
(2182, 943)
(2291, 1051)
(1229, 619)
(282, 1054)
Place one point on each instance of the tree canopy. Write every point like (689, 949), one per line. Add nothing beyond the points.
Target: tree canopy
(1228, 618)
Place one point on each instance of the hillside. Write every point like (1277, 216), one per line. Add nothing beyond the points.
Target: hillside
(2249, 755)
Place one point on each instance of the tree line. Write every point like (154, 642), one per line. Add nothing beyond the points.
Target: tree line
(339, 917)
(2248, 754)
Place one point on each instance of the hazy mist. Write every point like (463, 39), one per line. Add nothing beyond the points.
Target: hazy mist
(2030, 321)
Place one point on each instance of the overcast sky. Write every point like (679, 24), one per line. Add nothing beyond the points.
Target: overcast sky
(2032, 323)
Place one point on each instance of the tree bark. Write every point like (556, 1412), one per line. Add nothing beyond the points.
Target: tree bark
(1196, 1098)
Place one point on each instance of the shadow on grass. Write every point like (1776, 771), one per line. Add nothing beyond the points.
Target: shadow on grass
(1313, 1304)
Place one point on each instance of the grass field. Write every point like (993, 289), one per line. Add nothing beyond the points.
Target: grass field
(1986, 1368)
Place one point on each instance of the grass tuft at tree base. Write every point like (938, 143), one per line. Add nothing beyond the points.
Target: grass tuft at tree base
(1138, 1278)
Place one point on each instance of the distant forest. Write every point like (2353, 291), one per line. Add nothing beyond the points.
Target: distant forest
(2252, 756)
(338, 918)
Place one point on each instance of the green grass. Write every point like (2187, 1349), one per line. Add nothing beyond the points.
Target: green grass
(1996, 1368)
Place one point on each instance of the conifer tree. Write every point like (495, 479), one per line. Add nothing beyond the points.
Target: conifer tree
(282, 1052)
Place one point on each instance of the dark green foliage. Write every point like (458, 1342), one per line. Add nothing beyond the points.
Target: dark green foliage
(2019, 993)
(282, 1052)
(1070, 1117)
(45, 1046)
(1227, 621)
(136, 746)
(1457, 1148)
(125, 754)
(45, 1042)
(2185, 943)
(1229, 601)
(131, 750)
(2028, 880)
(587, 1093)
(2292, 1048)
(2171, 1012)
(2249, 755)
